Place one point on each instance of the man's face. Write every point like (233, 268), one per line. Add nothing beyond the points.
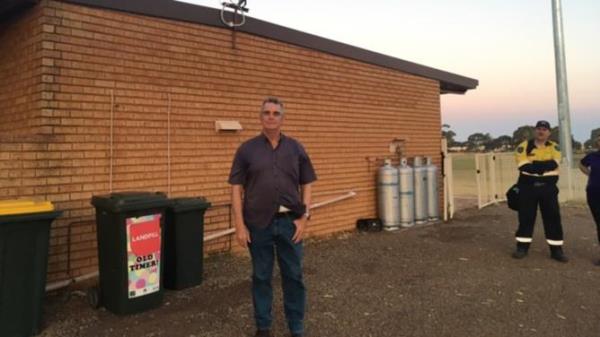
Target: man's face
(271, 116)
(542, 134)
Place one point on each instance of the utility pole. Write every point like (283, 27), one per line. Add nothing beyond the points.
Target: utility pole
(562, 93)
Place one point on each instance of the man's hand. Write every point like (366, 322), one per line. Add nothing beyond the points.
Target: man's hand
(243, 236)
(300, 226)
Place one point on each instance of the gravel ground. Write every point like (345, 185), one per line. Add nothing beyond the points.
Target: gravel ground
(452, 279)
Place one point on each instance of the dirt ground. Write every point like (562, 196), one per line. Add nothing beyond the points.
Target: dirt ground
(452, 279)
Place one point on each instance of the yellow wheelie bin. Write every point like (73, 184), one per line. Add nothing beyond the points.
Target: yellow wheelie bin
(24, 241)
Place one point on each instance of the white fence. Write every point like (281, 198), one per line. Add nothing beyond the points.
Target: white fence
(497, 172)
(484, 179)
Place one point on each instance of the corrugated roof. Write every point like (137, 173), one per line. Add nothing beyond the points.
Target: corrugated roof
(174, 10)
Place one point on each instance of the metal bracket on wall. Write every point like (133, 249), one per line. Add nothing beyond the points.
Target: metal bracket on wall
(397, 146)
(235, 9)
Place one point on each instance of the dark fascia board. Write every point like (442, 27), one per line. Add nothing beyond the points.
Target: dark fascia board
(181, 11)
(9, 7)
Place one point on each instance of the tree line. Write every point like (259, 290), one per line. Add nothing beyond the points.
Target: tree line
(480, 141)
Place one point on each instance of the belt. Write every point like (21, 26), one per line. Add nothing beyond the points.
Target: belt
(283, 212)
(280, 215)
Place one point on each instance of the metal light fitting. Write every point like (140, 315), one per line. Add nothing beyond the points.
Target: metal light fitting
(236, 8)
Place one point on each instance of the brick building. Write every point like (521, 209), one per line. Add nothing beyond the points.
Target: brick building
(101, 95)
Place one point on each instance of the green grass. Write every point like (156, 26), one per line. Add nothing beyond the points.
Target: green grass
(463, 161)
(465, 183)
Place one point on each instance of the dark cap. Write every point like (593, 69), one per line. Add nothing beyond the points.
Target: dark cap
(543, 124)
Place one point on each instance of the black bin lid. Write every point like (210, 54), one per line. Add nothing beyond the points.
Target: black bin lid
(130, 201)
(189, 204)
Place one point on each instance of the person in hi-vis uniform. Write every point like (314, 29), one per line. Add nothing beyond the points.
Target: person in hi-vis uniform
(538, 160)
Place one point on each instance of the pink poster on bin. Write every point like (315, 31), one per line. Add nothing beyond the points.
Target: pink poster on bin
(143, 255)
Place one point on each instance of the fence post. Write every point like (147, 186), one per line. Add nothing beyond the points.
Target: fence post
(492, 166)
(478, 179)
(450, 179)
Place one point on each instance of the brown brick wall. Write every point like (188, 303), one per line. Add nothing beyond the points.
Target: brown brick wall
(343, 111)
(20, 72)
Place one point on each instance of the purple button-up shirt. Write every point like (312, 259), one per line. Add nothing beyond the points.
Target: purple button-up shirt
(271, 177)
(592, 160)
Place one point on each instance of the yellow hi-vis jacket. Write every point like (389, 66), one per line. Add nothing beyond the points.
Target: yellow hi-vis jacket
(538, 162)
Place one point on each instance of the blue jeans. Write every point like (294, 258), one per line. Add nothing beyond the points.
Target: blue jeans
(276, 239)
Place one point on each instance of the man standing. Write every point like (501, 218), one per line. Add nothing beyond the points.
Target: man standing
(272, 174)
(538, 161)
(590, 166)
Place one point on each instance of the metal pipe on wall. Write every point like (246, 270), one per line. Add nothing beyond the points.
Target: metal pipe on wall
(230, 231)
(66, 283)
(333, 200)
(169, 145)
(111, 140)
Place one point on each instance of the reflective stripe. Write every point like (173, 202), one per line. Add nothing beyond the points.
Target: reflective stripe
(555, 242)
(551, 173)
(546, 174)
(526, 240)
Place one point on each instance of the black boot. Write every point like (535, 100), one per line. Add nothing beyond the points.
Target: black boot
(522, 249)
(557, 254)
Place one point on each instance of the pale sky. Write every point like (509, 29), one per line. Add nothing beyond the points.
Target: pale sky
(506, 44)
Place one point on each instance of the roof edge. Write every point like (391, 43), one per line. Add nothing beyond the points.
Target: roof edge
(10, 7)
(182, 11)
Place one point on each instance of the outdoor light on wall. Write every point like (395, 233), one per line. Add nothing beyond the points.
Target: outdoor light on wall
(228, 126)
(235, 10)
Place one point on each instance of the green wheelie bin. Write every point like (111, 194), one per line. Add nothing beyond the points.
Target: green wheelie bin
(24, 241)
(130, 260)
(184, 238)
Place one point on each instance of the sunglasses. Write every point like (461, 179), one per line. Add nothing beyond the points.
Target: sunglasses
(271, 113)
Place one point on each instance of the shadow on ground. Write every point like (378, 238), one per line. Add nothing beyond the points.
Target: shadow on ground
(453, 279)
